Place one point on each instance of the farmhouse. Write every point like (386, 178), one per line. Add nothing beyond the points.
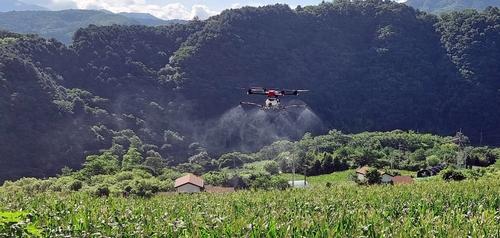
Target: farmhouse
(298, 184)
(189, 184)
(361, 174)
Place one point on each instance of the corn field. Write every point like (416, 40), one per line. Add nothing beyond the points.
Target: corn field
(437, 209)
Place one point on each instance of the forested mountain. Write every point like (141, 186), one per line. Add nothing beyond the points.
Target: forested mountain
(439, 6)
(149, 20)
(169, 92)
(15, 5)
(62, 25)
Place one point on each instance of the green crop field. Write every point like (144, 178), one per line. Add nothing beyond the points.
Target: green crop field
(439, 209)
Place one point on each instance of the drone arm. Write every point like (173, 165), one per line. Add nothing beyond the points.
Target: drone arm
(251, 104)
(258, 92)
(292, 92)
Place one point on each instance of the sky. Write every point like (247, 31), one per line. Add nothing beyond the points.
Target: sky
(165, 9)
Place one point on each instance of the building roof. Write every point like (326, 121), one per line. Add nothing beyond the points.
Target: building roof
(363, 170)
(402, 180)
(191, 179)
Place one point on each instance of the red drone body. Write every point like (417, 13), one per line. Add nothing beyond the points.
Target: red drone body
(273, 102)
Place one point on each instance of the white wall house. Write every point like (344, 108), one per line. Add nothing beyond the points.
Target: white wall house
(386, 178)
(188, 188)
(298, 184)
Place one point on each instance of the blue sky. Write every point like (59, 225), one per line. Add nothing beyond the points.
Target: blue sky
(166, 9)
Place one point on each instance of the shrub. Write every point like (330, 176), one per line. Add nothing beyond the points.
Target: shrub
(453, 175)
(432, 160)
(76, 185)
(373, 176)
(102, 191)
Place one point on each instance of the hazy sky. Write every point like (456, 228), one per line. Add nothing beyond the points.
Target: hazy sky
(166, 9)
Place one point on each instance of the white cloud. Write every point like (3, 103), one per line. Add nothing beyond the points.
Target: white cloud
(202, 12)
(167, 11)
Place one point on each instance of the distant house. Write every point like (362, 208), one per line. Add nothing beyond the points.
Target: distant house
(430, 171)
(361, 174)
(399, 180)
(217, 189)
(189, 184)
(298, 184)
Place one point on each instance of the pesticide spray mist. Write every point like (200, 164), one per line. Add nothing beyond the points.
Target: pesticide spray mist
(247, 130)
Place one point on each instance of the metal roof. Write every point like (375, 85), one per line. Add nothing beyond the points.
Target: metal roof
(189, 178)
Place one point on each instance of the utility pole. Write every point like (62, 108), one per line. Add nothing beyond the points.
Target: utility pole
(293, 172)
(461, 140)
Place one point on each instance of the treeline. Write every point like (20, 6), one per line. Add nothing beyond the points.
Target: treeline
(130, 173)
(371, 65)
(440, 6)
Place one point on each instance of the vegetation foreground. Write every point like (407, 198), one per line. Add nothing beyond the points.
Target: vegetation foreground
(425, 209)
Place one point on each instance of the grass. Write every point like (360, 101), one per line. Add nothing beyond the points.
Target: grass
(438, 209)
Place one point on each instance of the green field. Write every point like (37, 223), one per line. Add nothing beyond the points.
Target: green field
(425, 209)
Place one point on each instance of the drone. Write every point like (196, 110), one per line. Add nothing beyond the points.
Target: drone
(273, 98)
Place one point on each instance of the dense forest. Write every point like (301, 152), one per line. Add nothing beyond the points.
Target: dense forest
(169, 92)
(440, 6)
(62, 25)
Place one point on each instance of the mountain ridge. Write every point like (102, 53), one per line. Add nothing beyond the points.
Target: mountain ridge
(62, 25)
(15, 5)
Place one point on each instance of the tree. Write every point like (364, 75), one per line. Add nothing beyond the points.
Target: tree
(373, 176)
(432, 160)
(232, 160)
(315, 169)
(155, 163)
(190, 168)
(272, 167)
(132, 158)
(328, 165)
(105, 163)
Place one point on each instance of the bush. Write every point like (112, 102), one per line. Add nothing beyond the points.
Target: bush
(432, 160)
(453, 175)
(102, 191)
(76, 185)
(145, 187)
(169, 174)
(373, 176)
